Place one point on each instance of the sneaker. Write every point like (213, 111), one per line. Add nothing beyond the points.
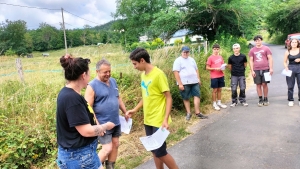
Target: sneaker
(291, 103)
(201, 116)
(244, 104)
(260, 103)
(188, 116)
(266, 102)
(222, 105)
(216, 107)
(233, 104)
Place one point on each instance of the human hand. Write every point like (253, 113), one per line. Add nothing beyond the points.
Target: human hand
(129, 113)
(297, 60)
(271, 71)
(181, 87)
(165, 124)
(287, 68)
(253, 74)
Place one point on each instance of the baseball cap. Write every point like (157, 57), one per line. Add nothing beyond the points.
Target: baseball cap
(185, 48)
(236, 45)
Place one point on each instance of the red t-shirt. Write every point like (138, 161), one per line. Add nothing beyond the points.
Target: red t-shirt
(260, 57)
(215, 62)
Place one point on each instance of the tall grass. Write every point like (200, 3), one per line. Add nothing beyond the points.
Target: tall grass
(27, 110)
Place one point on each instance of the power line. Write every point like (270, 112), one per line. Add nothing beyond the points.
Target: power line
(27, 6)
(81, 17)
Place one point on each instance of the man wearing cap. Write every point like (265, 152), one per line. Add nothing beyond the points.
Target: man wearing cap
(237, 64)
(187, 76)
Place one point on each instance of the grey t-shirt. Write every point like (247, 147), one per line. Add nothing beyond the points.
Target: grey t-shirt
(187, 69)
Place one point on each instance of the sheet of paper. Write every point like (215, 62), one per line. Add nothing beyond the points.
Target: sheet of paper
(286, 72)
(223, 66)
(156, 140)
(267, 76)
(125, 125)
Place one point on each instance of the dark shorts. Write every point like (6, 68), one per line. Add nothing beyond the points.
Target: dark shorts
(260, 78)
(161, 151)
(107, 137)
(217, 82)
(190, 90)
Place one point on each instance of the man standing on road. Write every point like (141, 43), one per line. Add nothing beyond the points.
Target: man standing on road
(102, 94)
(237, 64)
(261, 61)
(187, 76)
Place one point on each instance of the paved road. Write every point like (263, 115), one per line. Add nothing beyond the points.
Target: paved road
(246, 138)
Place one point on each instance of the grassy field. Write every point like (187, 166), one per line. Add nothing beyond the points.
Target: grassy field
(27, 109)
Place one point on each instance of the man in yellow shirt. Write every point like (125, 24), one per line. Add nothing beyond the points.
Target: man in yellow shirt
(156, 102)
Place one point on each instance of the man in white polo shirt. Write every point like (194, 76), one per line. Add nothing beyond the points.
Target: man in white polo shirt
(187, 76)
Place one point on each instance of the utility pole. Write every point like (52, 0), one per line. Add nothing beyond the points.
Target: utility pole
(63, 26)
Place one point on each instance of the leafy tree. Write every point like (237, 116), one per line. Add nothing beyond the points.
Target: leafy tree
(12, 36)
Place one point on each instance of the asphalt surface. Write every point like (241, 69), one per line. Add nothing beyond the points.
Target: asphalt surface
(250, 137)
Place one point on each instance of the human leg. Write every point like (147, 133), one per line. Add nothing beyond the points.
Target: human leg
(186, 94)
(234, 81)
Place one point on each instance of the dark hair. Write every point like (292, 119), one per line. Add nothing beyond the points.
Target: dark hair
(216, 46)
(290, 46)
(138, 54)
(74, 67)
(257, 37)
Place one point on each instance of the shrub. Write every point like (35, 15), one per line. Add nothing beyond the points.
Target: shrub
(177, 42)
(10, 52)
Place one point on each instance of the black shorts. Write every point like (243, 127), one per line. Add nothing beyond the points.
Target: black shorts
(260, 78)
(161, 151)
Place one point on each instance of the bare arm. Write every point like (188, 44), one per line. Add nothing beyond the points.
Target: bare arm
(270, 59)
(177, 77)
(129, 113)
(88, 130)
(285, 59)
(245, 65)
(90, 98)
(210, 69)
(229, 66)
(168, 109)
(251, 66)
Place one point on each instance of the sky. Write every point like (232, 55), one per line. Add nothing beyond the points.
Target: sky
(93, 12)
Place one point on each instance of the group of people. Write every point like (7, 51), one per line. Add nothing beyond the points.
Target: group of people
(83, 121)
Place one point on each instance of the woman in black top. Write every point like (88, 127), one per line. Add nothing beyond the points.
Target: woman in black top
(76, 125)
(292, 56)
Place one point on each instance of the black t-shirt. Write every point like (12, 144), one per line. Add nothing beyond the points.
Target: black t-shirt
(72, 110)
(237, 64)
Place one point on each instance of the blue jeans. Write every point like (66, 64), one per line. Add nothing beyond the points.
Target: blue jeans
(235, 82)
(79, 158)
(291, 81)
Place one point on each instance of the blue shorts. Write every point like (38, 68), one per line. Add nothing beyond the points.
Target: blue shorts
(217, 82)
(190, 90)
(78, 157)
(107, 137)
(161, 151)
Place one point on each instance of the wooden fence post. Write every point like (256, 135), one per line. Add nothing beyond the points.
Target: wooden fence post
(19, 68)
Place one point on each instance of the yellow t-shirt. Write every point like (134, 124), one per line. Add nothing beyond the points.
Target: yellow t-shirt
(154, 101)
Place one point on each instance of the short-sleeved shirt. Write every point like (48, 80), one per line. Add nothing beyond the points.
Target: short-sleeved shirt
(106, 101)
(154, 84)
(215, 62)
(72, 110)
(237, 64)
(187, 69)
(260, 57)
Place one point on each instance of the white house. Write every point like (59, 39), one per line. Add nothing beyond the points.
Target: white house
(180, 34)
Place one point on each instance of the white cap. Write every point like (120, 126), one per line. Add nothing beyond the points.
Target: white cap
(236, 45)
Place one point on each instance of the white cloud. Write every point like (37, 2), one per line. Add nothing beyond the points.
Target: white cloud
(91, 10)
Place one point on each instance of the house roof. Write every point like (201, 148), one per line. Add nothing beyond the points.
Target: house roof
(181, 32)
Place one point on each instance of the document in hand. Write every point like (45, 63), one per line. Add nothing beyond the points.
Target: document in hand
(286, 72)
(156, 140)
(267, 76)
(223, 66)
(125, 125)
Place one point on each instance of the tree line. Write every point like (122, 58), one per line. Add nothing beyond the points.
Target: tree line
(160, 18)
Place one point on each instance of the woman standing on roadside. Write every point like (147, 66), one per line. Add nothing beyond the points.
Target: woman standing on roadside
(76, 125)
(292, 55)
